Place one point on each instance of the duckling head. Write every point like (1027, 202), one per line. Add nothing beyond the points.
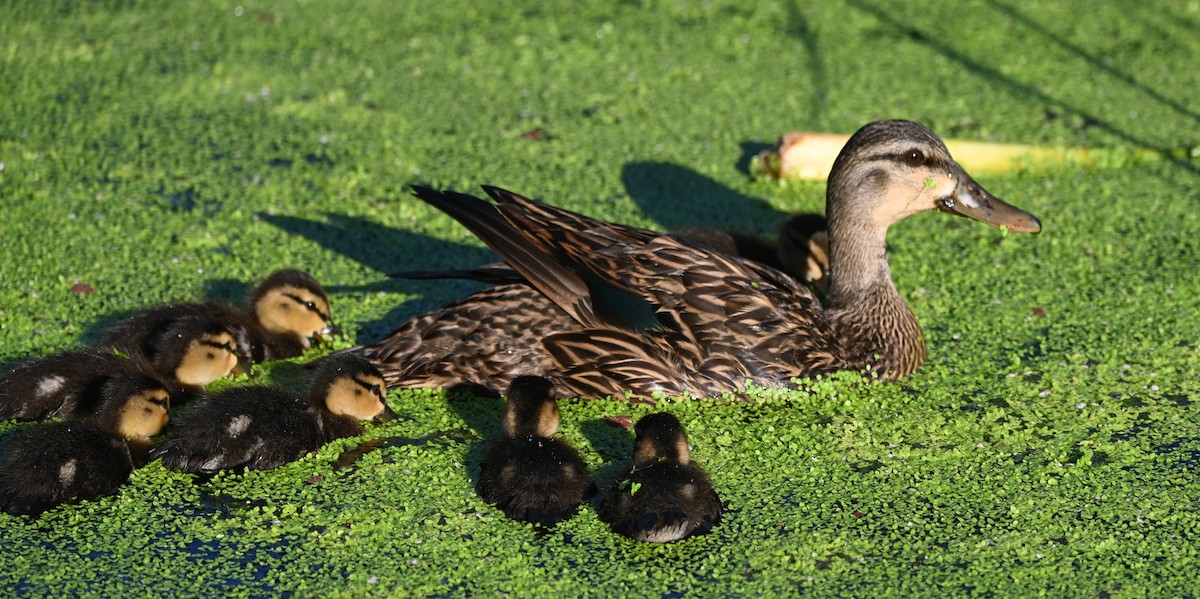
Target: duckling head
(660, 436)
(134, 406)
(198, 351)
(530, 409)
(890, 170)
(348, 385)
(804, 248)
(292, 302)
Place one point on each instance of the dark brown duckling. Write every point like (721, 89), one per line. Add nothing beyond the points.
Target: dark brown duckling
(801, 248)
(665, 496)
(530, 475)
(48, 464)
(186, 356)
(287, 310)
(261, 428)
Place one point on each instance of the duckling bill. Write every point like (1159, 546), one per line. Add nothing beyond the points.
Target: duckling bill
(261, 428)
(529, 474)
(665, 496)
(606, 310)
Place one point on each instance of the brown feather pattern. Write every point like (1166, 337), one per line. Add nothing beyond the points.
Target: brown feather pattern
(603, 309)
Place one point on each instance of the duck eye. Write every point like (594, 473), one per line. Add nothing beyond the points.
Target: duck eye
(914, 158)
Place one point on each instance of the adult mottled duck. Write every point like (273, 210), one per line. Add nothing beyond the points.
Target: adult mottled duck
(604, 309)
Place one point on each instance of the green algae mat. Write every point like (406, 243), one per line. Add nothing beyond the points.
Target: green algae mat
(1050, 446)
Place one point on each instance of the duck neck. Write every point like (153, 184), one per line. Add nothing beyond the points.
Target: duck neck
(880, 334)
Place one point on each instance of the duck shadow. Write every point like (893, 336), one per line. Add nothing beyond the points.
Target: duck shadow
(677, 197)
(615, 446)
(483, 413)
(386, 250)
(381, 248)
(1053, 106)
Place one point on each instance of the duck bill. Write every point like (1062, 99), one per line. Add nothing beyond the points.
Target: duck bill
(326, 334)
(386, 415)
(244, 365)
(974, 202)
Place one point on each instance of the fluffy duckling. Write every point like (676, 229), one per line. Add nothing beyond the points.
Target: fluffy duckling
(287, 310)
(530, 475)
(187, 355)
(265, 427)
(665, 497)
(48, 464)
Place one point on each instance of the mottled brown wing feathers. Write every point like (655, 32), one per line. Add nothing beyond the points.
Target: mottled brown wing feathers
(548, 275)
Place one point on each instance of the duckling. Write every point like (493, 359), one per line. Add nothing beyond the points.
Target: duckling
(265, 427)
(287, 310)
(608, 310)
(187, 355)
(193, 352)
(801, 248)
(47, 464)
(530, 475)
(291, 310)
(666, 497)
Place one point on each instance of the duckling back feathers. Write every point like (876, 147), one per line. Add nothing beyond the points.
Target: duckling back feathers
(50, 463)
(66, 384)
(47, 464)
(530, 475)
(664, 497)
(265, 427)
(254, 427)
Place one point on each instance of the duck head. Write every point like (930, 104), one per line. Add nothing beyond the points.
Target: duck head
(347, 385)
(292, 302)
(198, 351)
(530, 409)
(135, 406)
(660, 436)
(890, 170)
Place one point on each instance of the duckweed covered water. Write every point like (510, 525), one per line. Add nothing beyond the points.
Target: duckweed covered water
(1050, 445)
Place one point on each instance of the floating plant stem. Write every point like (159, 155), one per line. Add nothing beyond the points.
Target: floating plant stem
(802, 155)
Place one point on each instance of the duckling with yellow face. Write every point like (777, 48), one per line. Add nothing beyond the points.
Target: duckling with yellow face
(665, 496)
(287, 311)
(186, 356)
(48, 464)
(530, 475)
(260, 428)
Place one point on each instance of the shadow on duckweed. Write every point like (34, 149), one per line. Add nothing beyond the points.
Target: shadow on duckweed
(676, 197)
(993, 74)
(381, 248)
(385, 250)
(350, 457)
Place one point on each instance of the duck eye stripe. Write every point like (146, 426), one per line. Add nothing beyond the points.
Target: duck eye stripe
(369, 387)
(311, 306)
(225, 346)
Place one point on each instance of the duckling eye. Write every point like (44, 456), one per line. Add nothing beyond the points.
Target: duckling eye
(310, 305)
(914, 158)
